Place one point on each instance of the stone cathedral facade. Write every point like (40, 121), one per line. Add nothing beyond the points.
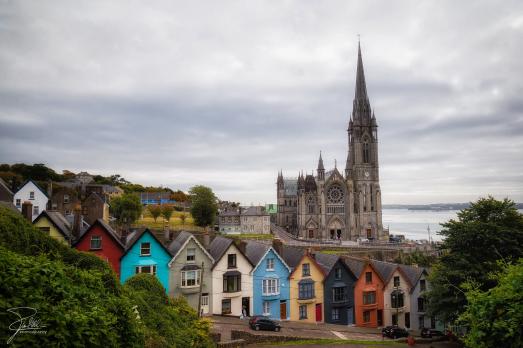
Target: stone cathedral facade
(332, 204)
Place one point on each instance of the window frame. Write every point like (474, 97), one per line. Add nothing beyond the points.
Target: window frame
(99, 239)
(335, 314)
(270, 264)
(339, 294)
(366, 316)
(266, 308)
(396, 281)
(306, 291)
(31, 195)
(270, 286)
(193, 255)
(231, 261)
(368, 277)
(306, 270)
(143, 247)
(140, 269)
(236, 281)
(369, 297)
(185, 279)
(302, 311)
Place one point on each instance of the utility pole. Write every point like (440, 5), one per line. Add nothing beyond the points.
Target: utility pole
(200, 292)
(428, 229)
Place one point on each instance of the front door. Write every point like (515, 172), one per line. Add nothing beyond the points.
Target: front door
(380, 317)
(350, 316)
(318, 312)
(205, 304)
(369, 233)
(246, 306)
(283, 310)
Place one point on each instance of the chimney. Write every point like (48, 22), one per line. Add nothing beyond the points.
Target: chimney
(206, 240)
(27, 210)
(77, 222)
(123, 237)
(50, 190)
(277, 245)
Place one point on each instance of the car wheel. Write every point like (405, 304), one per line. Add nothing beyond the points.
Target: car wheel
(257, 328)
(276, 329)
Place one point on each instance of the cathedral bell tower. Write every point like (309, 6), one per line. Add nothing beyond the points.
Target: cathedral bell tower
(362, 169)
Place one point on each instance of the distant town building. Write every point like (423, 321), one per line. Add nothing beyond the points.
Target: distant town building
(272, 210)
(153, 198)
(31, 192)
(254, 219)
(336, 205)
(6, 195)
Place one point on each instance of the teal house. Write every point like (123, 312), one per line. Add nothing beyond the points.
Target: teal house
(145, 254)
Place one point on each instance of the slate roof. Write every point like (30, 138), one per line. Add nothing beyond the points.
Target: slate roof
(412, 274)
(133, 237)
(58, 220)
(290, 186)
(155, 195)
(219, 246)
(4, 184)
(292, 255)
(254, 211)
(355, 265)
(9, 205)
(326, 261)
(385, 269)
(255, 251)
(229, 213)
(178, 242)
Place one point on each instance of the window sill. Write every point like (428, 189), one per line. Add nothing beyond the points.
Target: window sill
(145, 255)
(94, 249)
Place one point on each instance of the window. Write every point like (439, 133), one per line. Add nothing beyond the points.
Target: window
(232, 283)
(231, 261)
(303, 312)
(190, 278)
(369, 297)
(305, 270)
(338, 294)
(396, 299)
(36, 210)
(96, 243)
(422, 285)
(407, 320)
(66, 198)
(311, 209)
(396, 282)
(18, 202)
(45, 229)
(191, 255)
(31, 195)
(337, 273)
(306, 291)
(366, 152)
(368, 277)
(205, 299)
(146, 269)
(335, 314)
(270, 264)
(226, 306)
(394, 319)
(421, 321)
(145, 249)
(421, 304)
(266, 308)
(366, 316)
(271, 286)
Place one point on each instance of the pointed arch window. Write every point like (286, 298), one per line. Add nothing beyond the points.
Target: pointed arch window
(366, 151)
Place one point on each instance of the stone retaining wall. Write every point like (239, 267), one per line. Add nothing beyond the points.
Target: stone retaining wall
(250, 338)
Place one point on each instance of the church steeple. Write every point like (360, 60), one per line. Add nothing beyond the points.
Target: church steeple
(321, 169)
(361, 87)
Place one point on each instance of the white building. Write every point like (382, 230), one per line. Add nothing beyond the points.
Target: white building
(255, 220)
(31, 192)
(397, 300)
(231, 278)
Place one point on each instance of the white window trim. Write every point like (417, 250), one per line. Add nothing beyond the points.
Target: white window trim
(141, 253)
(271, 286)
(153, 269)
(266, 311)
(183, 276)
(270, 264)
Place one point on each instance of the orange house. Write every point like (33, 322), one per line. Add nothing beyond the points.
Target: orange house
(368, 293)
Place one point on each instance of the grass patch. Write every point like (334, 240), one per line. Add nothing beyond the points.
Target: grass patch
(175, 223)
(333, 341)
(264, 236)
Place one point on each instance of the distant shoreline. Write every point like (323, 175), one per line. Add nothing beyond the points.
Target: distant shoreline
(435, 207)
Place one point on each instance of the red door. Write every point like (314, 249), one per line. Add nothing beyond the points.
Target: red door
(318, 312)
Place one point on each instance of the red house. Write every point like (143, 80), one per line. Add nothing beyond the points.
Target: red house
(103, 241)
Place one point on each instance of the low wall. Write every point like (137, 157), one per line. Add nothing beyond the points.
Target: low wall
(232, 344)
(251, 338)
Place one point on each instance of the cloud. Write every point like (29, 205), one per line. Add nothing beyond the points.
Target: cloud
(226, 94)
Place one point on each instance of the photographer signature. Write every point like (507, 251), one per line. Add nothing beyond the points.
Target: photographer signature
(27, 322)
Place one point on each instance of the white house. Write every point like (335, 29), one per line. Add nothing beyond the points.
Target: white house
(31, 192)
(231, 278)
(397, 299)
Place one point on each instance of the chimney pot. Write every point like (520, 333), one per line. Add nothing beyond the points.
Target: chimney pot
(27, 210)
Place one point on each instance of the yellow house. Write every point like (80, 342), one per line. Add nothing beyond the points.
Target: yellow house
(54, 224)
(306, 291)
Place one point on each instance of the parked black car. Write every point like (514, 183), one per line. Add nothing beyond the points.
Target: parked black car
(263, 323)
(394, 332)
(429, 333)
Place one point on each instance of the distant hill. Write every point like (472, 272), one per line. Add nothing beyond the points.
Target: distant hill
(435, 206)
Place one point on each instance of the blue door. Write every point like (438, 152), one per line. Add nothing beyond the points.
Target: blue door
(350, 316)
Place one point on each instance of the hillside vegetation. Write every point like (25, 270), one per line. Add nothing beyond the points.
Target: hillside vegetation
(79, 299)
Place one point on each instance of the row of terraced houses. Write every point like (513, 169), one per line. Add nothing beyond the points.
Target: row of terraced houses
(224, 277)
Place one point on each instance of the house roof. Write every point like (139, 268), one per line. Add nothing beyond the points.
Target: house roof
(155, 195)
(311, 257)
(254, 211)
(219, 246)
(255, 251)
(291, 255)
(179, 243)
(97, 196)
(385, 269)
(4, 184)
(355, 265)
(59, 222)
(9, 205)
(326, 261)
(133, 237)
(34, 183)
(412, 274)
(105, 226)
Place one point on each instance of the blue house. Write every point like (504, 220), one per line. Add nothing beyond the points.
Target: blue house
(271, 295)
(145, 254)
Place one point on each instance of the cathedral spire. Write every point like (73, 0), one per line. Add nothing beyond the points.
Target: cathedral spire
(320, 163)
(361, 87)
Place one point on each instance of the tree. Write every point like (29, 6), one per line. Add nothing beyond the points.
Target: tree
(183, 217)
(155, 211)
(488, 231)
(495, 316)
(203, 205)
(167, 211)
(179, 196)
(126, 209)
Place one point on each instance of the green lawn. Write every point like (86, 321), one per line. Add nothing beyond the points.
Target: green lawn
(264, 236)
(175, 223)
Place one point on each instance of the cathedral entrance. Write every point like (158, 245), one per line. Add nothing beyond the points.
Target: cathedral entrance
(332, 234)
(338, 234)
(369, 233)
(311, 234)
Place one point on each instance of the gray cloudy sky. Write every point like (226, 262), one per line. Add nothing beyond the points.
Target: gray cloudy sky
(226, 93)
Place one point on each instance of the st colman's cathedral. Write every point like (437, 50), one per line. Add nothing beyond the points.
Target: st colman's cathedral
(332, 204)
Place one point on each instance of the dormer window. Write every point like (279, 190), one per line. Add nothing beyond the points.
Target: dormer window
(368, 277)
(96, 243)
(396, 281)
(145, 249)
(270, 264)
(231, 261)
(337, 273)
(305, 270)
(32, 195)
(422, 285)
